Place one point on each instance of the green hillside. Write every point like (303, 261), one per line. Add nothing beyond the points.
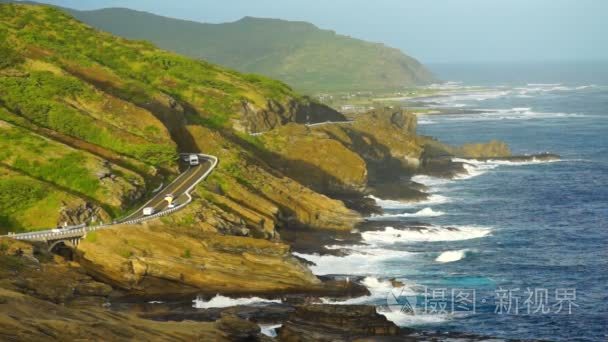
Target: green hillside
(298, 53)
(90, 120)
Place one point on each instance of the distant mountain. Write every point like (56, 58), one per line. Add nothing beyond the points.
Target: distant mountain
(298, 53)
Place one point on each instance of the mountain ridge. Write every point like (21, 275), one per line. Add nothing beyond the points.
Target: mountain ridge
(299, 53)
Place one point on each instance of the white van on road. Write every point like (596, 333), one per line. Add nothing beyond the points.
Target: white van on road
(148, 211)
(193, 159)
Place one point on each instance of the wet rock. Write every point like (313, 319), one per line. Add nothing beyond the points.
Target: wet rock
(399, 190)
(335, 323)
(237, 329)
(396, 283)
(442, 167)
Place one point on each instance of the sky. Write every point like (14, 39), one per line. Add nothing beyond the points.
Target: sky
(433, 31)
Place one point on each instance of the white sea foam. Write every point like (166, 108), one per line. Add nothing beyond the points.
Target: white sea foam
(430, 181)
(392, 235)
(362, 260)
(270, 329)
(405, 320)
(426, 212)
(450, 85)
(451, 256)
(510, 114)
(378, 289)
(426, 122)
(220, 301)
(490, 163)
(474, 170)
(455, 100)
(544, 84)
(392, 204)
(455, 95)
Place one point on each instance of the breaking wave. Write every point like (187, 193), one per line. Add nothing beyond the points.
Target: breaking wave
(220, 301)
(426, 122)
(426, 212)
(269, 329)
(392, 204)
(451, 256)
(378, 289)
(494, 163)
(405, 320)
(509, 114)
(430, 181)
(361, 260)
(391, 235)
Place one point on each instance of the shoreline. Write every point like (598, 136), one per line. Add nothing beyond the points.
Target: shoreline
(266, 313)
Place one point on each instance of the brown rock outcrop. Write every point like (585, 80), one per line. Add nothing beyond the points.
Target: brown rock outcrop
(250, 183)
(81, 212)
(148, 261)
(277, 114)
(315, 159)
(335, 323)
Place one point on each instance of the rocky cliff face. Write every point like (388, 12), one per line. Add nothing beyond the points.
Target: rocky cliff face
(155, 261)
(276, 114)
(315, 158)
(43, 299)
(377, 152)
(246, 182)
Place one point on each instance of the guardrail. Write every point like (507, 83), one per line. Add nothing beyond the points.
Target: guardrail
(82, 229)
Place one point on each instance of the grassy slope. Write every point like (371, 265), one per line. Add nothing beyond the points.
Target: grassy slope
(308, 58)
(104, 97)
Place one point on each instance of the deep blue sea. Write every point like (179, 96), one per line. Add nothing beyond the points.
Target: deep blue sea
(531, 239)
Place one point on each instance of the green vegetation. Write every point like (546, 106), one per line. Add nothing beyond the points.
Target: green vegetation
(135, 71)
(27, 204)
(48, 161)
(17, 194)
(8, 56)
(298, 53)
(87, 116)
(91, 237)
(42, 159)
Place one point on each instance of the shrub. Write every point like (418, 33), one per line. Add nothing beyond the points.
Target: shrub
(8, 56)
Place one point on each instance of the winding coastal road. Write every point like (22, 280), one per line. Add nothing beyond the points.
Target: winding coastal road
(180, 188)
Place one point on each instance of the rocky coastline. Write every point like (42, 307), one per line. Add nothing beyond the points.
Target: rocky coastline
(306, 187)
(89, 133)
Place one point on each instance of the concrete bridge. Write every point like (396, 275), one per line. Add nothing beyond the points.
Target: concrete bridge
(180, 188)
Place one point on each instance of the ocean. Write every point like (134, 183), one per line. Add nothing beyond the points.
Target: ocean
(515, 250)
